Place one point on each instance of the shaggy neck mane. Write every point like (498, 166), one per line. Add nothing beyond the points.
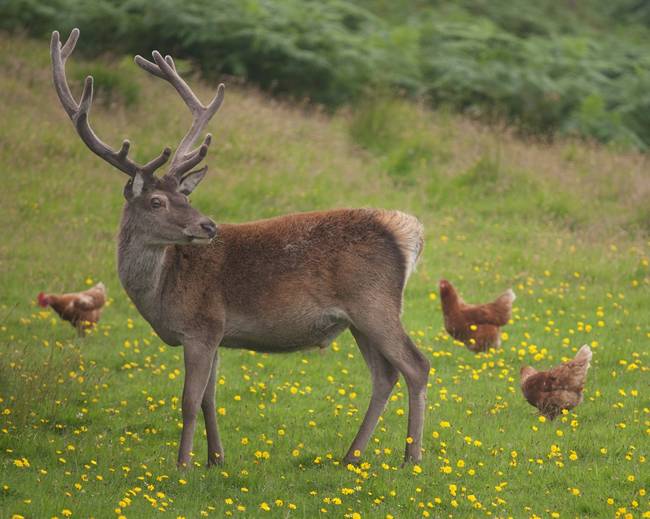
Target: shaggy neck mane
(140, 265)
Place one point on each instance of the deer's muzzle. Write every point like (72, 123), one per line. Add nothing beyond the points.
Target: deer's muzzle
(203, 231)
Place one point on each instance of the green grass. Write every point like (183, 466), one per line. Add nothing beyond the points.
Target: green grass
(90, 427)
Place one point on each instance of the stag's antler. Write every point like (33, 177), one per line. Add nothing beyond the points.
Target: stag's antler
(184, 158)
(78, 113)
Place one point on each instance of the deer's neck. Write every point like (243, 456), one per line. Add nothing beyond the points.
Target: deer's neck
(142, 269)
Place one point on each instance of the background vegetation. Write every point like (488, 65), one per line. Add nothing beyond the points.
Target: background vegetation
(90, 427)
(548, 67)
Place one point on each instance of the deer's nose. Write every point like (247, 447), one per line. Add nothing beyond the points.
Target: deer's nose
(209, 227)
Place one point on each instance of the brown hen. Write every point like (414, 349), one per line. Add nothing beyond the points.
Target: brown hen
(477, 326)
(81, 309)
(558, 388)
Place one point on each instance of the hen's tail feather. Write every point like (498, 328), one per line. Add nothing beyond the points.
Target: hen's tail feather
(580, 365)
(584, 355)
(497, 313)
(582, 360)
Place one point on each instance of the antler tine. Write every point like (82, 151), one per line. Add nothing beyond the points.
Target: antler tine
(69, 46)
(170, 62)
(179, 83)
(152, 68)
(78, 112)
(185, 159)
(206, 142)
(59, 55)
(154, 164)
(185, 165)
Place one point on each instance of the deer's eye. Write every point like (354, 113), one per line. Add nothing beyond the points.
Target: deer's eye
(156, 203)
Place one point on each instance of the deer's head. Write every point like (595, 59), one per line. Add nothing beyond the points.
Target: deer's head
(160, 212)
(156, 205)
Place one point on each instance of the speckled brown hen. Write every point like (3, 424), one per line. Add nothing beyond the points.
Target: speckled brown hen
(558, 388)
(80, 309)
(477, 326)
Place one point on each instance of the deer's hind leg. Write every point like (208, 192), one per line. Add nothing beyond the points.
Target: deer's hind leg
(384, 377)
(383, 332)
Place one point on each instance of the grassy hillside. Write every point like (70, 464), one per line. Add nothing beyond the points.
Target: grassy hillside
(90, 427)
(551, 68)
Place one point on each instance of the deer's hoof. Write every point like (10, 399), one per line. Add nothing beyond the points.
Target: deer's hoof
(215, 461)
(351, 460)
(411, 459)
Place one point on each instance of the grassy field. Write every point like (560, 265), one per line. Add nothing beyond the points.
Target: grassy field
(89, 427)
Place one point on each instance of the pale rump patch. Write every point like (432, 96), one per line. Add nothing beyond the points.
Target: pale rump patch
(408, 232)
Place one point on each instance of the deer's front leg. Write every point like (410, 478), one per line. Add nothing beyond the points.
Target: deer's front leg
(215, 449)
(199, 357)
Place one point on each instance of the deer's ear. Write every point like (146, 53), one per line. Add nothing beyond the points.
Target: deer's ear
(134, 186)
(191, 180)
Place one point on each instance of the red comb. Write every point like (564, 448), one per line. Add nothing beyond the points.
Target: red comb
(42, 299)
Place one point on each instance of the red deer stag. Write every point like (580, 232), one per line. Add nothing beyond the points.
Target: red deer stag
(277, 285)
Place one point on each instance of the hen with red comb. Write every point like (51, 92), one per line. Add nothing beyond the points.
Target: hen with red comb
(81, 309)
